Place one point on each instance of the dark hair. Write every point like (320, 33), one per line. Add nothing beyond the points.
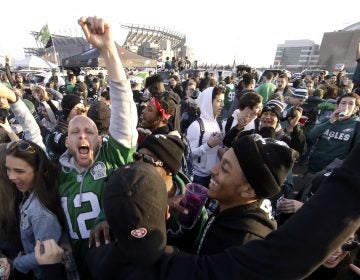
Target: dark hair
(352, 95)
(45, 175)
(71, 76)
(331, 93)
(9, 200)
(247, 79)
(269, 75)
(167, 103)
(250, 99)
(156, 88)
(175, 77)
(156, 78)
(284, 76)
(106, 95)
(217, 91)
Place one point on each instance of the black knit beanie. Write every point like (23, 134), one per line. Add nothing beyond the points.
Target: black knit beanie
(100, 113)
(265, 163)
(168, 148)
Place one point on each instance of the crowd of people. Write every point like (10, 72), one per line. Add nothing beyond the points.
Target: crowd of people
(94, 173)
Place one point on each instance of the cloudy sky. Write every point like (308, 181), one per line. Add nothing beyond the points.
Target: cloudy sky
(217, 31)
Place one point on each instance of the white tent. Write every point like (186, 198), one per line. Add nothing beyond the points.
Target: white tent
(34, 62)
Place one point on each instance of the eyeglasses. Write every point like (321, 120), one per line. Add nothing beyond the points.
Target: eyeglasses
(147, 159)
(350, 245)
(21, 146)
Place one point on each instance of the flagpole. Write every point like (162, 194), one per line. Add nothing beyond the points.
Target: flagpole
(53, 47)
(55, 54)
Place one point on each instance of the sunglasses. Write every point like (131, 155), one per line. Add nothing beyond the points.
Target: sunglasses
(147, 159)
(350, 245)
(21, 146)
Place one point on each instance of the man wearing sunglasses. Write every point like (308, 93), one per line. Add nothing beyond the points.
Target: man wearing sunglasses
(165, 153)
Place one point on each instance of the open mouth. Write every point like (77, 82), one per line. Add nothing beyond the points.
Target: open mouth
(213, 185)
(84, 149)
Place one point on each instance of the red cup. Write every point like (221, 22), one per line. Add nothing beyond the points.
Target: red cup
(303, 120)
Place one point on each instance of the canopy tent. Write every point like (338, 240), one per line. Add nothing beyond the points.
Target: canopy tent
(92, 58)
(34, 62)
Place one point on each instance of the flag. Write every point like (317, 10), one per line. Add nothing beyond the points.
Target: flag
(44, 34)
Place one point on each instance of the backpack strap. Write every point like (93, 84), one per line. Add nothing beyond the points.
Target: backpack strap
(202, 131)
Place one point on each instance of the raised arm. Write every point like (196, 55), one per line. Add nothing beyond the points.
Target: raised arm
(123, 114)
(23, 116)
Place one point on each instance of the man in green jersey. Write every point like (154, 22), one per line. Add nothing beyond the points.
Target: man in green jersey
(90, 158)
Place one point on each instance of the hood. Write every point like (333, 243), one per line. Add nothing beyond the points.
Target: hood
(67, 162)
(205, 104)
(250, 218)
(50, 112)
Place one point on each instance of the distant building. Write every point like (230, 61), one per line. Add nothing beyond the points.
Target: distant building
(58, 47)
(152, 42)
(297, 55)
(156, 42)
(340, 47)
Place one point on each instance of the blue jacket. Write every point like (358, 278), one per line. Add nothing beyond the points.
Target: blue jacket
(36, 223)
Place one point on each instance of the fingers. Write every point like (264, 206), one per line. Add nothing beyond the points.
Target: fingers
(5, 264)
(37, 248)
(97, 236)
(93, 25)
(101, 229)
(174, 203)
(51, 246)
(289, 205)
(106, 232)
(355, 269)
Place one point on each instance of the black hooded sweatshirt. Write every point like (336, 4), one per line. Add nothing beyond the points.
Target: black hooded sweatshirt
(235, 226)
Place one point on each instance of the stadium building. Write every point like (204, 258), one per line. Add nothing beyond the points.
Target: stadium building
(340, 47)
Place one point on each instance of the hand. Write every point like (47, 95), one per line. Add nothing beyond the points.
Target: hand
(296, 117)
(215, 139)
(6, 126)
(7, 93)
(48, 252)
(97, 32)
(335, 116)
(355, 268)
(244, 117)
(5, 264)
(101, 230)
(45, 94)
(289, 205)
(174, 204)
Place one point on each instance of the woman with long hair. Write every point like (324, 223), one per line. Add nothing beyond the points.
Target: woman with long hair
(41, 217)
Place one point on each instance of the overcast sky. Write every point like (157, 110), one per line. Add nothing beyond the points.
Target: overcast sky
(217, 31)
